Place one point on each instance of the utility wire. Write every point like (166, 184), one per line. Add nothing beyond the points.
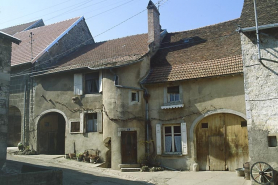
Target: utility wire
(43, 62)
(35, 12)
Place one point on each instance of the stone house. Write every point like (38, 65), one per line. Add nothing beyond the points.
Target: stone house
(260, 79)
(5, 67)
(39, 43)
(196, 105)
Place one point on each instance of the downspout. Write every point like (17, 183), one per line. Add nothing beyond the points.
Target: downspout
(257, 31)
(147, 119)
(24, 112)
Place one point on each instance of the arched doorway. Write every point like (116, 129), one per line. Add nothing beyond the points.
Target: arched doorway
(14, 126)
(222, 142)
(51, 134)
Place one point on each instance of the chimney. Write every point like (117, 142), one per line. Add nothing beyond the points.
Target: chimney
(153, 26)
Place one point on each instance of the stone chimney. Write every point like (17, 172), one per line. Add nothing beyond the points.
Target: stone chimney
(153, 26)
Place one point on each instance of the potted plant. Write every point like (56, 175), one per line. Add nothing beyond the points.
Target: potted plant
(79, 156)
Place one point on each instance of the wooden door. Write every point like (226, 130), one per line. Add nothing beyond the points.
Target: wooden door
(216, 153)
(237, 151)
(219, 130)
(51, 143)
(129, 147)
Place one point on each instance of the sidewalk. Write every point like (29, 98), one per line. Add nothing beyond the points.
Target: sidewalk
(160, 178)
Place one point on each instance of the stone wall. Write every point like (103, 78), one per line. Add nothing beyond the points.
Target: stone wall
(5, 62)
(261, 88)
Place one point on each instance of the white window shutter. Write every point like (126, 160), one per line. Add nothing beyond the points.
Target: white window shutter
(99, 121)
(100, 81)
(184, 139)
(82, 122)
(78, 87)
(158, 139)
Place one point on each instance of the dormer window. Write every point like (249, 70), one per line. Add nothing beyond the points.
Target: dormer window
(173, 94)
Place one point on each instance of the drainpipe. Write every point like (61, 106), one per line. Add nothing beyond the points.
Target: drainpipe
(257, 31)
(147, 119)
(24, 112)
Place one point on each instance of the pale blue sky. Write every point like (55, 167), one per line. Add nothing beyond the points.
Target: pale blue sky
(100, 15)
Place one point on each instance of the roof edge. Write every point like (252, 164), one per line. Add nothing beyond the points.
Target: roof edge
(57, 39)
(11, 38)
(37, 22)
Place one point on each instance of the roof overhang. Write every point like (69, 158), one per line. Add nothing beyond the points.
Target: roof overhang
(262, 27)
(9, 37)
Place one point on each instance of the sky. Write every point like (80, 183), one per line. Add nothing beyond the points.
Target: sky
(111, 19)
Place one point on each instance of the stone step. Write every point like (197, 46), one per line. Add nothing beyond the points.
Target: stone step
(129, 165)
(130, 169)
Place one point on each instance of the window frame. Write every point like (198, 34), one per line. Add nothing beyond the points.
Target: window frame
(96, 79)
(75, 121)
(169, 95)
(138, 99)
(173, 141)
(95, 122)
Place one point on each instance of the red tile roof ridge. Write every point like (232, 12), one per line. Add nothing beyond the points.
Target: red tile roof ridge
(206, 26)
(21, 24)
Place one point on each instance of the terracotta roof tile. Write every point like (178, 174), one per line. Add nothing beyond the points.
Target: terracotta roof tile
(105, 54)
(18, 28)
(267, 12)
(43, 36)
(209, 51)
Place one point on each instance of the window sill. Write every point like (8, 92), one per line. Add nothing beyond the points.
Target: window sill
(92, 95)
(172, 155)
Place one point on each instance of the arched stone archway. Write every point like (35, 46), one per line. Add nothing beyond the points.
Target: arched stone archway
(220, 140)
(14, 126)
(51, 133)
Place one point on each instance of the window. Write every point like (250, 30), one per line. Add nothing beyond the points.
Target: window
(272, 141)
(244, 124)
(204, 125)
(75, 127)
(135, 96)
(91, 83)
(173, 94)
(172, 139)
(91, 122)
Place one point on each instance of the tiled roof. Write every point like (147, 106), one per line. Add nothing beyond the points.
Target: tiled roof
(42, 37)
(205, 52)
(267, 11)
(105, 54)
(193, 70)
(18, 28)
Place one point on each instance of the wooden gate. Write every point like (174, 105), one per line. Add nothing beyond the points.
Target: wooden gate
(129, 147)
(222, 142)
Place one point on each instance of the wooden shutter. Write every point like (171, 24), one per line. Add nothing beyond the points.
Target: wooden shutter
(158, 139)
(82, 122)
(99, 121)
(78, 87)
(184, 139)
(100, 81)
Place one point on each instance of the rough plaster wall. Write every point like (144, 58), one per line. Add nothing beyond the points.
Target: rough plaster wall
(261, 94)
(120, 112)
(5, 63)
(199, 97)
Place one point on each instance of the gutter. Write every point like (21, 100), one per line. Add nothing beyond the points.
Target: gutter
(263, 27)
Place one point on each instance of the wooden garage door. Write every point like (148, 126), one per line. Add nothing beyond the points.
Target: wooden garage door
(222, 142)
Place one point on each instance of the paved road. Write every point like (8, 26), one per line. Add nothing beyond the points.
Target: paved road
(79, 173)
